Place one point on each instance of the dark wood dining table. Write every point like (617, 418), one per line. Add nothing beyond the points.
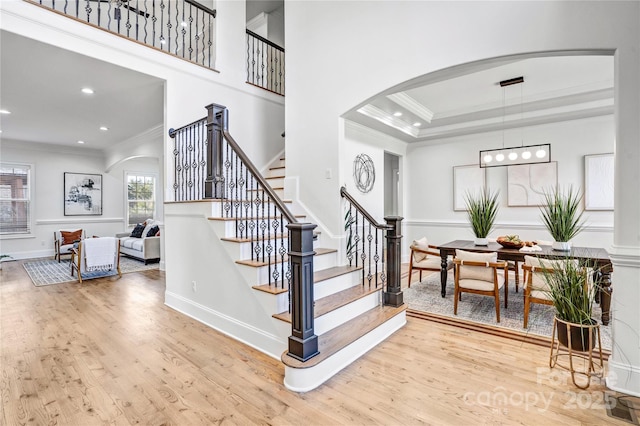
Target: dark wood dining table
(595, 257)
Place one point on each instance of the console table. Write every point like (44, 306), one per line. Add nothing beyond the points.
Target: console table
(597, 257)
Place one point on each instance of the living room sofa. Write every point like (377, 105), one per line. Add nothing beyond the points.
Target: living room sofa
(145, 248)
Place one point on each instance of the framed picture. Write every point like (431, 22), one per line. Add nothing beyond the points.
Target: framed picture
(82, 194)
(598, 182)
(527, 183)
(466, 179)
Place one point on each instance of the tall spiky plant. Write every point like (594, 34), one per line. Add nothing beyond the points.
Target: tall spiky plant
(482, 210)
(569, 291)
(562, 214)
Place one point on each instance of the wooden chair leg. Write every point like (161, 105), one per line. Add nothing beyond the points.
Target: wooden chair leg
(526, 309)
(517, 275)
(456, 295)
(420, 275)
(410, 272)
(506, 295)
(497, 302)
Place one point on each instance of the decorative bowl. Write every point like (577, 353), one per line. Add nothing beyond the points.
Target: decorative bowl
(510, 243)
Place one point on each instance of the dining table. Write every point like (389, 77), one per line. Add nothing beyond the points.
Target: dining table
(594, 257)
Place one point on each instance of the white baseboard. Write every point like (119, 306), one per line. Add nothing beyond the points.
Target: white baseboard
(623, 378)
(33, 254)
(266, 343)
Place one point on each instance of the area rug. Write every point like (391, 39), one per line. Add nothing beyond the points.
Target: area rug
(425, 297)
(49, 271)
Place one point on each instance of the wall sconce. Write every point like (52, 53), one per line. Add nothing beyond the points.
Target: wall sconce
(515, 156)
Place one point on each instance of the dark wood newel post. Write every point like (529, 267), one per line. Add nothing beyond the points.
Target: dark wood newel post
(217, 121)
(303, 343)
(393, 295)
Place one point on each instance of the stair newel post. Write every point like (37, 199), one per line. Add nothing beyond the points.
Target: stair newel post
(303, 343)
(393, 293)
(217, 121)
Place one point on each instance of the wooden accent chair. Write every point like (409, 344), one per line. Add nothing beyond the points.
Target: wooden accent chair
(96, 254)
(480, 273)
(425, 257)
(64, 240)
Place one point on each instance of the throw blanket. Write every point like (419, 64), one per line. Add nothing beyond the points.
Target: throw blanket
(100, 253)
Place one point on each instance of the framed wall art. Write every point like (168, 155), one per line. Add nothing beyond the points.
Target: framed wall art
(82, 194)
(466, 179)
(527, 183)
(598, 182)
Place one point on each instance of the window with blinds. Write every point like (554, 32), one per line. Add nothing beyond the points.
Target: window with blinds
(141, 198)
(15, 198)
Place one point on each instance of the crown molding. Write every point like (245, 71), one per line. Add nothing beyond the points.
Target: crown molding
(407, 102)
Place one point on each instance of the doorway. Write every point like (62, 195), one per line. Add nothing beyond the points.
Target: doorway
(391, 184)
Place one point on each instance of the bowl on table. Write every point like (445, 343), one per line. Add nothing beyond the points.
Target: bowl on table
(512, 242)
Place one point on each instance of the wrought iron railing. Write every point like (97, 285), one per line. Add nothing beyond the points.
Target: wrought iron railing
(189, 160)
(183, 28)
(265, 63)
(368, 246)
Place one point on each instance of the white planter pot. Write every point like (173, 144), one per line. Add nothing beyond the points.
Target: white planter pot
(561, 245)
(481, 242)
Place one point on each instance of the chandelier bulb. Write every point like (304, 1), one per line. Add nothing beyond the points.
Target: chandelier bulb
(526, 155)
(541, 153)
(499, 157)
(488, 158)
(513, 156)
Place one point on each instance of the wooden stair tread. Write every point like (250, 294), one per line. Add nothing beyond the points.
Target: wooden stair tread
(278, 259)
(277, 167)
(334, 301)
(260, 189)
(319, 276)
(338, 338)
(297, 216)
(274, 177)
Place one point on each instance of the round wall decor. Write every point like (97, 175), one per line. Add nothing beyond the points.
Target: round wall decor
(364, 173)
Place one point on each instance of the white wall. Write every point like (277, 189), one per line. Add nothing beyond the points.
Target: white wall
(430, 208)
(49, 163)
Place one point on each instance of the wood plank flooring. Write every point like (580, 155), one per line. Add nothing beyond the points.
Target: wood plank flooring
(108, 351)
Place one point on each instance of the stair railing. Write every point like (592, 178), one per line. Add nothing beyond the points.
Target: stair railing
(365, 248)
(277, 240)
(182, 28)
(265, 63)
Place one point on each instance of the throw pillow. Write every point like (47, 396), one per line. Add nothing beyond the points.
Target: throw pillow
(70, 237)
(153, 231)
(137, 231)
(481, 273)
(422, 244)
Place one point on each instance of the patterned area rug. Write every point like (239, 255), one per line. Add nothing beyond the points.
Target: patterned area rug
(425, 296)
(49, 271)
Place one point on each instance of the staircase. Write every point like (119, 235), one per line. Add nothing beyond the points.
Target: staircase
(241, 251)
(349, 318)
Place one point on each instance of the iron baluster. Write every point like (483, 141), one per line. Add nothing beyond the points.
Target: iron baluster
(247, 202)
(162, 40)
(369, 238)
(209, 42)
(154, 19)
(146, 15)
(282, 249)
(376, 258)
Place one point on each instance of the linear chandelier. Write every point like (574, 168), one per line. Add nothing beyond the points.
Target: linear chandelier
(517, 155)
(514, 156)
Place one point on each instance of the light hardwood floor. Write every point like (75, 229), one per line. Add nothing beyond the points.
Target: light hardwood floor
(109, 352)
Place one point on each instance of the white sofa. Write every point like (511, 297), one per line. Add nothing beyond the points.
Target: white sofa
(145, 248)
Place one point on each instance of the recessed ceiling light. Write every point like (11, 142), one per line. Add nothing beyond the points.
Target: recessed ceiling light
(87, 91)
(417, 124)
(104, 128)
(5, 111)
(397, 113)
(80, 142)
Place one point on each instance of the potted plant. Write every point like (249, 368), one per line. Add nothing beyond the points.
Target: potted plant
(562, 216)
(482, 210)
(573, 299)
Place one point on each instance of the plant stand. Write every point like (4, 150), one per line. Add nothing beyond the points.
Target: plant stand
(568, 351)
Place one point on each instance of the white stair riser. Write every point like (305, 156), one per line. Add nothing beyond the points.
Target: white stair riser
(260, 275)
(306, 379)
(276, 182)
(346, 313)
(273, 303)
(276, 172)
(328, 287)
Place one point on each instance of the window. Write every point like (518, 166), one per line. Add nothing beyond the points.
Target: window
(15, 199)
(141, 197)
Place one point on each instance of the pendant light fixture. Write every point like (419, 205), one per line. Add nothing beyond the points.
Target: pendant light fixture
(531, 154)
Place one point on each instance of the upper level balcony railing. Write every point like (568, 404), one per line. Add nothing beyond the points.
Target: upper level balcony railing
(183, 28)
(265, 63)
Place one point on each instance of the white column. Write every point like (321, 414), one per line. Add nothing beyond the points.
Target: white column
(624, 364)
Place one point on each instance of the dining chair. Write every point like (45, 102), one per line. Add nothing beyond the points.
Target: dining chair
(480, 273)
(425, 257)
